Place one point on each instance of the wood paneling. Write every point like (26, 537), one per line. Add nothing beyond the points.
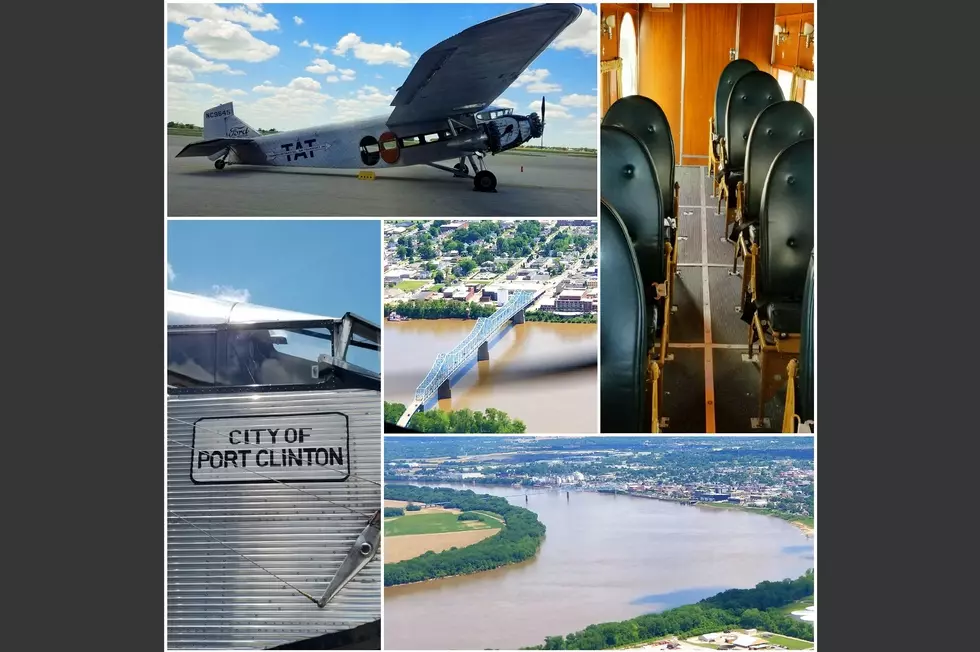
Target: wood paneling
(793, 51)
(789, 9)
(660, 63)
(755, 34)
(709, 35)
(609, 48)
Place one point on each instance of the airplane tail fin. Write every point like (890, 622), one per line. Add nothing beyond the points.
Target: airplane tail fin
(220, 122)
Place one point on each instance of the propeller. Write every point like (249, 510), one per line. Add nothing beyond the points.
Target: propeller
(542, 110)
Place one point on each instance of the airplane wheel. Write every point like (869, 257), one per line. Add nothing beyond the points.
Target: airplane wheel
(219, 164)
(462, 169)
(484, 181)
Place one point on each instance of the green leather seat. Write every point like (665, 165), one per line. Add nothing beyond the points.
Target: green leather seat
(623, 340)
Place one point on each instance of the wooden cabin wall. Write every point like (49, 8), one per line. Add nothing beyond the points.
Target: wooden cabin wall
(793, 52)
(683, 50)
(609, 48)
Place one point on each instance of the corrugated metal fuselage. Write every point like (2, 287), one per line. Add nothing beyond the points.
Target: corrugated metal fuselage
(219, 599)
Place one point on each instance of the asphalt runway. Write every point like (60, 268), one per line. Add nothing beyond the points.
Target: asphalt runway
(551, 185)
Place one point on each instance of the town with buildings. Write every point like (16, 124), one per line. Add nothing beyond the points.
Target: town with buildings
(724, 474)
(485, 261)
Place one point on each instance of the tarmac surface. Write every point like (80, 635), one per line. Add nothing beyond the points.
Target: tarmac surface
(551, 185)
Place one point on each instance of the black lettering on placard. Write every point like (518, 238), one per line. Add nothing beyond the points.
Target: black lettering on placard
(217, 114)
(238, 132)
(273, 452)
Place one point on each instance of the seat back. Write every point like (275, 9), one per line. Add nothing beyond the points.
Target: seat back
(622, 334)
(776, 128)
(751, 93)
(729, 76)
(786, 225)
(644, 118)
(628, 183)
(805, 395)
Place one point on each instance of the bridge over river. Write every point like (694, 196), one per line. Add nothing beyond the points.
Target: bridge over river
(440, 377)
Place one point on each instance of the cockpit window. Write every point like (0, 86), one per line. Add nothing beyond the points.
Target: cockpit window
(242, 357)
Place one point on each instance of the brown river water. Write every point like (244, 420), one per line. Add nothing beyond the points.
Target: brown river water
(566, 404)
(604, 558)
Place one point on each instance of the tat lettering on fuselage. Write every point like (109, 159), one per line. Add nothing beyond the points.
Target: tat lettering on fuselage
(301, 149)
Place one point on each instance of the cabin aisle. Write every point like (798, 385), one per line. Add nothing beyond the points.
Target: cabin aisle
(709, 388)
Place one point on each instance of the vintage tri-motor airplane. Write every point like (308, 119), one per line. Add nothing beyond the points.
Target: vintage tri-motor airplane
(442, 112)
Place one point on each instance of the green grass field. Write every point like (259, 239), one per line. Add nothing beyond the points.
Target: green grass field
(434, 524)
(790, 643)
(409, 286)
(799, 605)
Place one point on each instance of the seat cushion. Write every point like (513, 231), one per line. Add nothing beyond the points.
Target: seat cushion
(784, 316)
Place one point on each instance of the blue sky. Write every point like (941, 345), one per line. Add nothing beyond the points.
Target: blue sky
(296, 65)
(321, 267)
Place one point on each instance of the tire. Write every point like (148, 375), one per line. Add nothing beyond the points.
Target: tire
(219, 164)
(485, 181)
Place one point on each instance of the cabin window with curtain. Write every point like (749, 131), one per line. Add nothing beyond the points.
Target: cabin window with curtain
(785, 79)
(627, 52)
(810, 96)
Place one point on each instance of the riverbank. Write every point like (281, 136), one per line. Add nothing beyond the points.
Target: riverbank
(430, 309)
(725, 612)
(518, 539)
(803, 523)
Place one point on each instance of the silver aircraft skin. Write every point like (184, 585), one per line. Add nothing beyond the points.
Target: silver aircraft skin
(267, 543)
(443, 111)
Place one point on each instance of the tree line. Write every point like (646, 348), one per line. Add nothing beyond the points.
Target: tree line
(736, 608)
(394, 511)
(518, 540)
(452, 309)
(456, 421)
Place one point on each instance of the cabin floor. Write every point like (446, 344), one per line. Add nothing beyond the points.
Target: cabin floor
(717, 392)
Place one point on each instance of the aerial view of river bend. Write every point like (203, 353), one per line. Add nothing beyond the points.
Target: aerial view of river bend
(605, 557)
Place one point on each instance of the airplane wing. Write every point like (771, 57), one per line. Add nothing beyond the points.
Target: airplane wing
(245, 148)
(468, 71)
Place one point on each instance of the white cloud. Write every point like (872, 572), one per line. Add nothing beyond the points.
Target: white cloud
(297, 104)
(182, 64)
(253, 7)
(229, 293)
(221, 39)
(552, 110)
(372, 53)
(187, 101)
(179, 73)
(367, 101)
(321, 67)
(251, 15)
(297, 20)
(505, 103)
(333, 79)
(533, 80)
(582, 34)
(346, 74)
(319, 48)
(580, 101)
(171, 274)
(304, 43)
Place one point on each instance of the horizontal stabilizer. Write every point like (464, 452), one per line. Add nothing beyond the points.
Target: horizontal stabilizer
(245, 149)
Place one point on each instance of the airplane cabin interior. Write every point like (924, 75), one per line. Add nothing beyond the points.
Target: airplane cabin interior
(707, 217)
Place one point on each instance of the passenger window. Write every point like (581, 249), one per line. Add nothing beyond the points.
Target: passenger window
(409, 142)
(786, 79)
(191, 359)
(273, 357)
(810, 96)
(370, 152)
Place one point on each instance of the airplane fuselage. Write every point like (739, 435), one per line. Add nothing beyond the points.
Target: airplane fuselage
(370, 144)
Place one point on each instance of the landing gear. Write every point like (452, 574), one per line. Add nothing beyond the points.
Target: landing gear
(219, 164)
(461, 169)
(485, 181)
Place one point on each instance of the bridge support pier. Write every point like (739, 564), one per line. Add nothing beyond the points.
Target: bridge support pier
(519, 317)
(445, 390)
(483, 353)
